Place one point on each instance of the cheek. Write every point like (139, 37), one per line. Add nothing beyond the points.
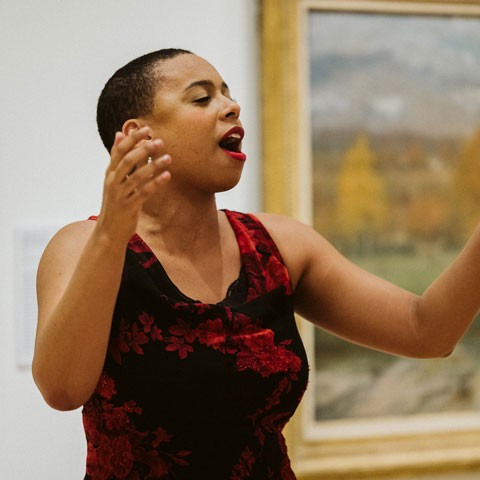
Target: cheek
(193, 133)
(187, 148)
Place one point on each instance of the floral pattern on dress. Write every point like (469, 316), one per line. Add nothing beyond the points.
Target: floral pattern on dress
(255, 350)
(137, 245)
(114, 444)
(243, 468)
(241, 357)
(254, 347)
(261, 257)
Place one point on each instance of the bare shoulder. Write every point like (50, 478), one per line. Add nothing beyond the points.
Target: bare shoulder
(66, 246)
(74, 235)
(290, 233)
(58, 262)
(281, 224)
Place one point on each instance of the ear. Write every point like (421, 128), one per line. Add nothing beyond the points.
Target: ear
(132, 125)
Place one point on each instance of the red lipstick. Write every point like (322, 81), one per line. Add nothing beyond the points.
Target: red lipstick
(231, 143)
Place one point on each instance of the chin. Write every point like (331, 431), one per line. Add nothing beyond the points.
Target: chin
(226, 184)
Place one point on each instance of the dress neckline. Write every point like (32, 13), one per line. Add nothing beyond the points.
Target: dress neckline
(237, 290)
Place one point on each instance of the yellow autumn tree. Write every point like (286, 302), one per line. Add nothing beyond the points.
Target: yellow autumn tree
(362, 208)
(467, 186)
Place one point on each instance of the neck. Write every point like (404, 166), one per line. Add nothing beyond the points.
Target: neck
(181, 223)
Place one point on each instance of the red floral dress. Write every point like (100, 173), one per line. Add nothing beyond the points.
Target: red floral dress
(198, 391)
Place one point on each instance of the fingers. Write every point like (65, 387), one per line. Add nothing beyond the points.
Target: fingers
(138, 157)
(150, 187)
(123, 144)
(148, 175)
(132, 151)
(138, 166)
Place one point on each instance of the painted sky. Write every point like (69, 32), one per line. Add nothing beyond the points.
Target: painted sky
(395, 72)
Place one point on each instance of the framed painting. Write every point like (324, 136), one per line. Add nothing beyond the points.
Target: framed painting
(371, 133)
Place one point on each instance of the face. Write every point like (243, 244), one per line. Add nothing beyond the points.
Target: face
(197, 119)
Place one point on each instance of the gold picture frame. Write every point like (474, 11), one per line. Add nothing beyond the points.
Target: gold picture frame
(344, 449)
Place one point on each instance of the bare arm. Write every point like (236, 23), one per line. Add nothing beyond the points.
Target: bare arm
(79, 277)
(337, 295)
(77, 283)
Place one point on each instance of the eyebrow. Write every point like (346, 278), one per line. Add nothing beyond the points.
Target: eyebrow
(205, 83)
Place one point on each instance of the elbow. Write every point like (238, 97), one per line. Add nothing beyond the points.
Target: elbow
(57, 396)
(440, 353)
(445, 355)
(442, 345)
(435, 350)
(432, 338)
(61, 402)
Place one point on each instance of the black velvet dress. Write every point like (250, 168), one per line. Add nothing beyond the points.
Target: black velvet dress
(195, 391)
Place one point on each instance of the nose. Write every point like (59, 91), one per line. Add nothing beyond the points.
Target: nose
(231, 109)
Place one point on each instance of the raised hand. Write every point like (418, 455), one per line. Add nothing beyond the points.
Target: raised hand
(137, 169)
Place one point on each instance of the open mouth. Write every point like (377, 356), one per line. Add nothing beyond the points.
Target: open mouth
(231, 143)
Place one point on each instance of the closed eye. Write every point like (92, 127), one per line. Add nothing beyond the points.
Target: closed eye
(202, 100)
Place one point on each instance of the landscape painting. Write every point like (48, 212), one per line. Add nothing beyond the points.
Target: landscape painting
(394, 105)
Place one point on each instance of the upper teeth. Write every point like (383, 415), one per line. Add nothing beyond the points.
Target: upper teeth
(235, 135)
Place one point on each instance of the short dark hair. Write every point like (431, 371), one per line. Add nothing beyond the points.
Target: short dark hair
(129, 93)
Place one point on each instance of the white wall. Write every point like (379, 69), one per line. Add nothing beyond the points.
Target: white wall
(55, 58)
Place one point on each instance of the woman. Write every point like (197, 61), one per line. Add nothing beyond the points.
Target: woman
(172, 322)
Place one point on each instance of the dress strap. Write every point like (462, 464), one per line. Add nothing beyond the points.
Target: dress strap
(259, 251)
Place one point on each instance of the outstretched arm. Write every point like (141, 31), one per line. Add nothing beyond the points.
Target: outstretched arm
(337, 295)
(79, 276)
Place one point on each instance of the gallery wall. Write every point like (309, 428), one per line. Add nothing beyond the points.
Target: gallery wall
(55, 58)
